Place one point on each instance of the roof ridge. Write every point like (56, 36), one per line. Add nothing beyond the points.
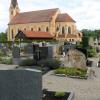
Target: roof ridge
(40, 10)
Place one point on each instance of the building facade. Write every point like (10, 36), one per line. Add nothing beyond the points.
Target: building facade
(60, 25)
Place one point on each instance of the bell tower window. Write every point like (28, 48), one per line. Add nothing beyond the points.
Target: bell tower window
(12, 33)
(11, 12)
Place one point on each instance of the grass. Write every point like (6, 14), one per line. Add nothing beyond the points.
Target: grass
(72, 71)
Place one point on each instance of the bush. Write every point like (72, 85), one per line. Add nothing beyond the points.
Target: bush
(72, 71)
(91, 52)
(1, 53)
(50, 63)
(60, 71)
(7, 61)
(60, 94)
(27, 62)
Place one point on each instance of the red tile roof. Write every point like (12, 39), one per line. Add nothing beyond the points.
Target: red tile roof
(34, 16)
(37, 35)
(64, 18)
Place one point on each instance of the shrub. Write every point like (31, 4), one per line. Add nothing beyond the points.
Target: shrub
(1, 53)
(72, 71)
(50, 63)
(60, 71)
(7, 61)
(91, 52)
(27, 62)
(60, 94)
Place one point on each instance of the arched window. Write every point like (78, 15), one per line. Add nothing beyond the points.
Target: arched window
(57, 29)
(69, 30)
(11, 12)
(47, 29)
(31, 29)
(12, 33)
(25, 29)
(63, 30)
(39, 29)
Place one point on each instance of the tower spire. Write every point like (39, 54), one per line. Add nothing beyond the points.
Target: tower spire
(14, 9)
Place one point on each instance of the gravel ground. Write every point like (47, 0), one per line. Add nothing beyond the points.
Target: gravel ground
(6, 67)
(84, 89)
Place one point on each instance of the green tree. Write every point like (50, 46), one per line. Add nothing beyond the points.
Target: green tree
(85, 38)
(97, 33)
(3, 37)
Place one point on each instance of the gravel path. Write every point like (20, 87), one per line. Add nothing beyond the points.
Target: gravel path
(6, 67)
(83, 89)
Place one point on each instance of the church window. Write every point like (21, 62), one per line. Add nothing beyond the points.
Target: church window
(25, 29)
(47, 29)
(63, 30)
(31, 29)
(39, 29)
(70, 40)
(69, 30)
(57, 29)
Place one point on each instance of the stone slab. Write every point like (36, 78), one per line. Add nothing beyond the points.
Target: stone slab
(21, 84)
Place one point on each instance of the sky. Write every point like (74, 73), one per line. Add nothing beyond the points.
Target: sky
(86, 13)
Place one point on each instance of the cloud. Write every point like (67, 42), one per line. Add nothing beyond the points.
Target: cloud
(85, 12)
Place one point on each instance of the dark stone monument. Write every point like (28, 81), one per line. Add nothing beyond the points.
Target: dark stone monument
(16, 55)
(29, 49)
(48, 52)
(16, 52)
(20, 84)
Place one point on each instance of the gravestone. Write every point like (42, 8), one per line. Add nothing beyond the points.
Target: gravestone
(16, 55)
(29, 49)
(20, 84)
(75, 58)
(16, 52)
(48, 52)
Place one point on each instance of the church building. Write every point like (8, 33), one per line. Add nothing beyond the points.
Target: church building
(47, 23)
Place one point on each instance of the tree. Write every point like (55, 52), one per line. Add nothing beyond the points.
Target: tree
(97, 33)
(3, 37)
(85, 38)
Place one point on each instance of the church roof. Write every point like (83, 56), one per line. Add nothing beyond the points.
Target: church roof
(34, 16)
(64, 18)
(14, 3)
(35, 35)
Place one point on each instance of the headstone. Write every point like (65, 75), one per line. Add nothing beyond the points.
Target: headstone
(16, 52)
(75, 58)
(20, 84)
(29, 49)
(16, 55)
(48, 52)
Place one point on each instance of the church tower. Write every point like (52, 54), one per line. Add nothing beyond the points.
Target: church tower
(14, 9)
